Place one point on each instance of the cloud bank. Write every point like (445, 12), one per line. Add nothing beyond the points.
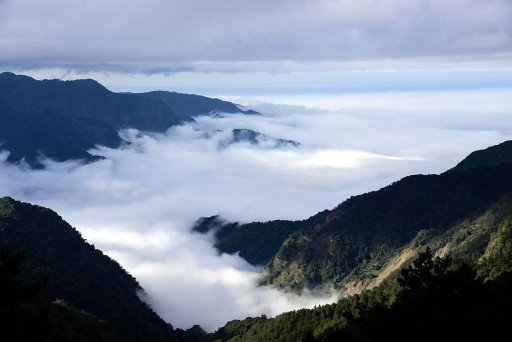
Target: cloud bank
(139, 205)
(158, 35)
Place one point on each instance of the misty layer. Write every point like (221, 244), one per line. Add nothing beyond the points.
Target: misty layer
(139, 204)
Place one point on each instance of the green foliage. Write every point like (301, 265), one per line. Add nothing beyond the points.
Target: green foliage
(78, 274)
(19, 307)
(25, 316)
(433, 299)
(67, 323)
(497, 258)
(355, 240)
(257, 242)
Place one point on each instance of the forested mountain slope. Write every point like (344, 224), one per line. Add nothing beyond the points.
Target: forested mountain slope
(91, 294)
(493, 155)
(32, 136)
(370, 236)
(433, 299)
(64, 119)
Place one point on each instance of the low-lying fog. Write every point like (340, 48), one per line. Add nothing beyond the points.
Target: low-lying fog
(139, 204)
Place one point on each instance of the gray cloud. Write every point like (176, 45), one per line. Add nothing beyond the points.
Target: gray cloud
(139, 204)
(163, 35)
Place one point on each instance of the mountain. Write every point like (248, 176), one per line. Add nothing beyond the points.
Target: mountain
(257, 242)
(248, 136)
(153, 111)
(490, 156)
(191, 105)
(255, 138)
(87, 99)
(29, 136)
(64, 119)
(369, 237)
(85, 291)
(433, 299)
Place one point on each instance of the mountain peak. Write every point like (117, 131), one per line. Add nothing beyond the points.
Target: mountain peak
(86, 83)
(8, 76)
(491, 156)
(6, 206)
(89, 115)
(11, 76)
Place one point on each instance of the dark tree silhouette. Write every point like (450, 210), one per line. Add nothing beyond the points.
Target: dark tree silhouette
(21, 316)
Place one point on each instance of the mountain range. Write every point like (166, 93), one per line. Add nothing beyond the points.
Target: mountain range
(30, 136)
(369, 237)
(64, 288)
(371, 248)
(85, 295)
(64, 119)
(428, 257)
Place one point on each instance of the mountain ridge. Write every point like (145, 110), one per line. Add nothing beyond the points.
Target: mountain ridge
(78, 275)
(77, 115)
(354, 242)
(490, 156)
(31, 136)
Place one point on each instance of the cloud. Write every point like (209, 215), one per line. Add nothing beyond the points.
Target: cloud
(139, 205)
(312, 78)
(158, 35)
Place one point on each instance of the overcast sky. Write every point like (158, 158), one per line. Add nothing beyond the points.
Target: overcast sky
(153, 32)
(251, 44)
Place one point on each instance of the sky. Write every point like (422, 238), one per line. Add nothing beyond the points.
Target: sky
(262, 46)
(158, 35)
(372, 90)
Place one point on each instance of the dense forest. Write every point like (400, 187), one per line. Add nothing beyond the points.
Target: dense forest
(370, 236)
(433, 299)
(67, 288)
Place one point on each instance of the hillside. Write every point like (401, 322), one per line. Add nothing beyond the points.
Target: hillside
(493, 155)
(257, 242)
(83, 288)
(86, 99)
(433, 299)
(64, 119)
(190, 104)
(29, 136)
(369, 237)
(153, 111)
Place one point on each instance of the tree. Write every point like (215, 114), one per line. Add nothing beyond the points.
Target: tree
(21, 316)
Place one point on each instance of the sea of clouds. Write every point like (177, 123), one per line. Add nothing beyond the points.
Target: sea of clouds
(139, 204)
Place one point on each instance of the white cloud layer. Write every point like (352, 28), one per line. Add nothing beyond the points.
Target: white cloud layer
(156, 35)
(139, 204)
(332, 78)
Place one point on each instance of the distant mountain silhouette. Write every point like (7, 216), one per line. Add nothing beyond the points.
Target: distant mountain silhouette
(86, 99)
(74, 116)
(243, 135)
(253, 137)
(29, 136)
(494, 155)
(191, 105)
